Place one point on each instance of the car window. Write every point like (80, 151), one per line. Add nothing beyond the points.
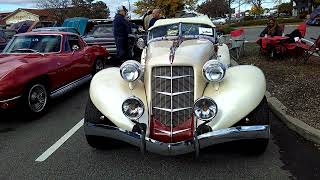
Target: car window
(34, 43)
(101, 30)
(186, 29)
(74, 43)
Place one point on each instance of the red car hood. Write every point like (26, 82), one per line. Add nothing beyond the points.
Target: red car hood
(9, 63)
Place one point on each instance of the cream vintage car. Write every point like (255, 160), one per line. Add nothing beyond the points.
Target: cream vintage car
(182, 97)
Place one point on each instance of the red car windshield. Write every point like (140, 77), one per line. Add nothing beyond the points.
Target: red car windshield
(34, 44)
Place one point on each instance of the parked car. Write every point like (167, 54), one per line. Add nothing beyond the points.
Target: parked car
(219, 21)
(102, 35)
(183, 96)
(28, 25)
(314, 19)
(5, 36)
(84, 25)
(38, 66)
(57, 29)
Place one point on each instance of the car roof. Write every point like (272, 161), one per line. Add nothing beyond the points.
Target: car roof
(56, 28)
(195, 20)
(45, 33)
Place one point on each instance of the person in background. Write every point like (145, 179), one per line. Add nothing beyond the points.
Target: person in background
(155, 17)
(272, 29)
(121, 31)
(146, 19)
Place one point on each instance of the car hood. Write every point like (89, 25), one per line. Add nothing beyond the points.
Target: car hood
(190, 52)
(9, 63)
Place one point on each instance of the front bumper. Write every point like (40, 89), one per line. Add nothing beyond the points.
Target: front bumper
(171, 149)
(9, 103)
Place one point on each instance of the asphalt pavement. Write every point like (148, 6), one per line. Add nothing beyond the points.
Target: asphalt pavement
(22, 141)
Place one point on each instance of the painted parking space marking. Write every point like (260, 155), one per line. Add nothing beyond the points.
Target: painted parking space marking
(59, 143)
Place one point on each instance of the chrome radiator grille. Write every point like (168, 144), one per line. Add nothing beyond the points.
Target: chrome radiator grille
(172, 94)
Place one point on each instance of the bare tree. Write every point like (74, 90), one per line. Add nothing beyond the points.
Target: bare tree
(62, 9)
(57, 8)
(214, 8)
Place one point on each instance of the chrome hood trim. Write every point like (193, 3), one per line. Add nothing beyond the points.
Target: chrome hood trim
(183, 147)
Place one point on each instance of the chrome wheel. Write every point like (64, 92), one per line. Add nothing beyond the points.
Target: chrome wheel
(37, 98)
(99, 65)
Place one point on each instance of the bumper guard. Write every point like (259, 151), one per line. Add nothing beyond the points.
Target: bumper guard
(183, 147)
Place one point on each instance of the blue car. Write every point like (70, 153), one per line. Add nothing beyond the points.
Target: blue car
(5, 36)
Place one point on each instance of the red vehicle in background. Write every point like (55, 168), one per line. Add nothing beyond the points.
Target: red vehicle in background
(38, 66)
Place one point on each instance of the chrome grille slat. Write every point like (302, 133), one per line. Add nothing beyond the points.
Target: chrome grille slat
(172, 91)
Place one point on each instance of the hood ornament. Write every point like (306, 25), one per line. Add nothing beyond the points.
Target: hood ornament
(173, 48)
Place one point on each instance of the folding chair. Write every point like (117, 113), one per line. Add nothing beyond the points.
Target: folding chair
(237, 43)
(310, 48)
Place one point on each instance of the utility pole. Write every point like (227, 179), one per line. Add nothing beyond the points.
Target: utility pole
(129, 9)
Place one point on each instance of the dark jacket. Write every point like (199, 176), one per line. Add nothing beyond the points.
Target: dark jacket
(152, 21)
(121, 27)
(278, 31)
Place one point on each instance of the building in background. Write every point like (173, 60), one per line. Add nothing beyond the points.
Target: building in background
(22, 14)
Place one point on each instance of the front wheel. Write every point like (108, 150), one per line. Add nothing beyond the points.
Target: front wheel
(94, 116)
(260, 116)
(98, 66)
(35, 99)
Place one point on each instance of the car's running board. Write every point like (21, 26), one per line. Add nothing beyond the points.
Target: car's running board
(68, 87)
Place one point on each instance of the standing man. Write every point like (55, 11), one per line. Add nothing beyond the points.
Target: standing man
(146, 19)
(121, 30)
(155, 15)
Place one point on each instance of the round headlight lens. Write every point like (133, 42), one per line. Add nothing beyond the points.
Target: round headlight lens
(205, 109)
(133, 108)
(214, 71)
(130, 70)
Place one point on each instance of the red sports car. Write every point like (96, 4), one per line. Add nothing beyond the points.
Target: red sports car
(37, 66)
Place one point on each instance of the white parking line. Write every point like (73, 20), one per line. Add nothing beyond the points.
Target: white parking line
(63, 139)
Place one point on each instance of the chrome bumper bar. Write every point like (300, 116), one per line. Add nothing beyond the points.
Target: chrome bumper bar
(11, 99)
(171, 149)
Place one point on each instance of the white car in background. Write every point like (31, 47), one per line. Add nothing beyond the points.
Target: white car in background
(219, 21)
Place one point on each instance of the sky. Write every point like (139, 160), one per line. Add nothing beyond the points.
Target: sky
(11, 5)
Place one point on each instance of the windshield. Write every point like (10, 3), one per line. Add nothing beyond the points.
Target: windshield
(101, 30)
(186, 29)
(34, 44)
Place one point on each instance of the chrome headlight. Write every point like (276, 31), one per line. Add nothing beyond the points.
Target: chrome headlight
(214, 71)
(131, 70)
(133, 108)
(205, 109)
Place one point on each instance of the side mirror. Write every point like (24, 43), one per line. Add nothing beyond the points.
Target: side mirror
(75, 48)
(141, 44)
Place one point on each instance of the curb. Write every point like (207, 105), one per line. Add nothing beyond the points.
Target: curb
(303, 129)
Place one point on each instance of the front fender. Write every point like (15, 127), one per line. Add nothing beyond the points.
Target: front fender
(237, 95)
(108, 91)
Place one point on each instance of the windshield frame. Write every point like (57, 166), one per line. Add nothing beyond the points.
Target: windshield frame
(180, 31)
(12, 40)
